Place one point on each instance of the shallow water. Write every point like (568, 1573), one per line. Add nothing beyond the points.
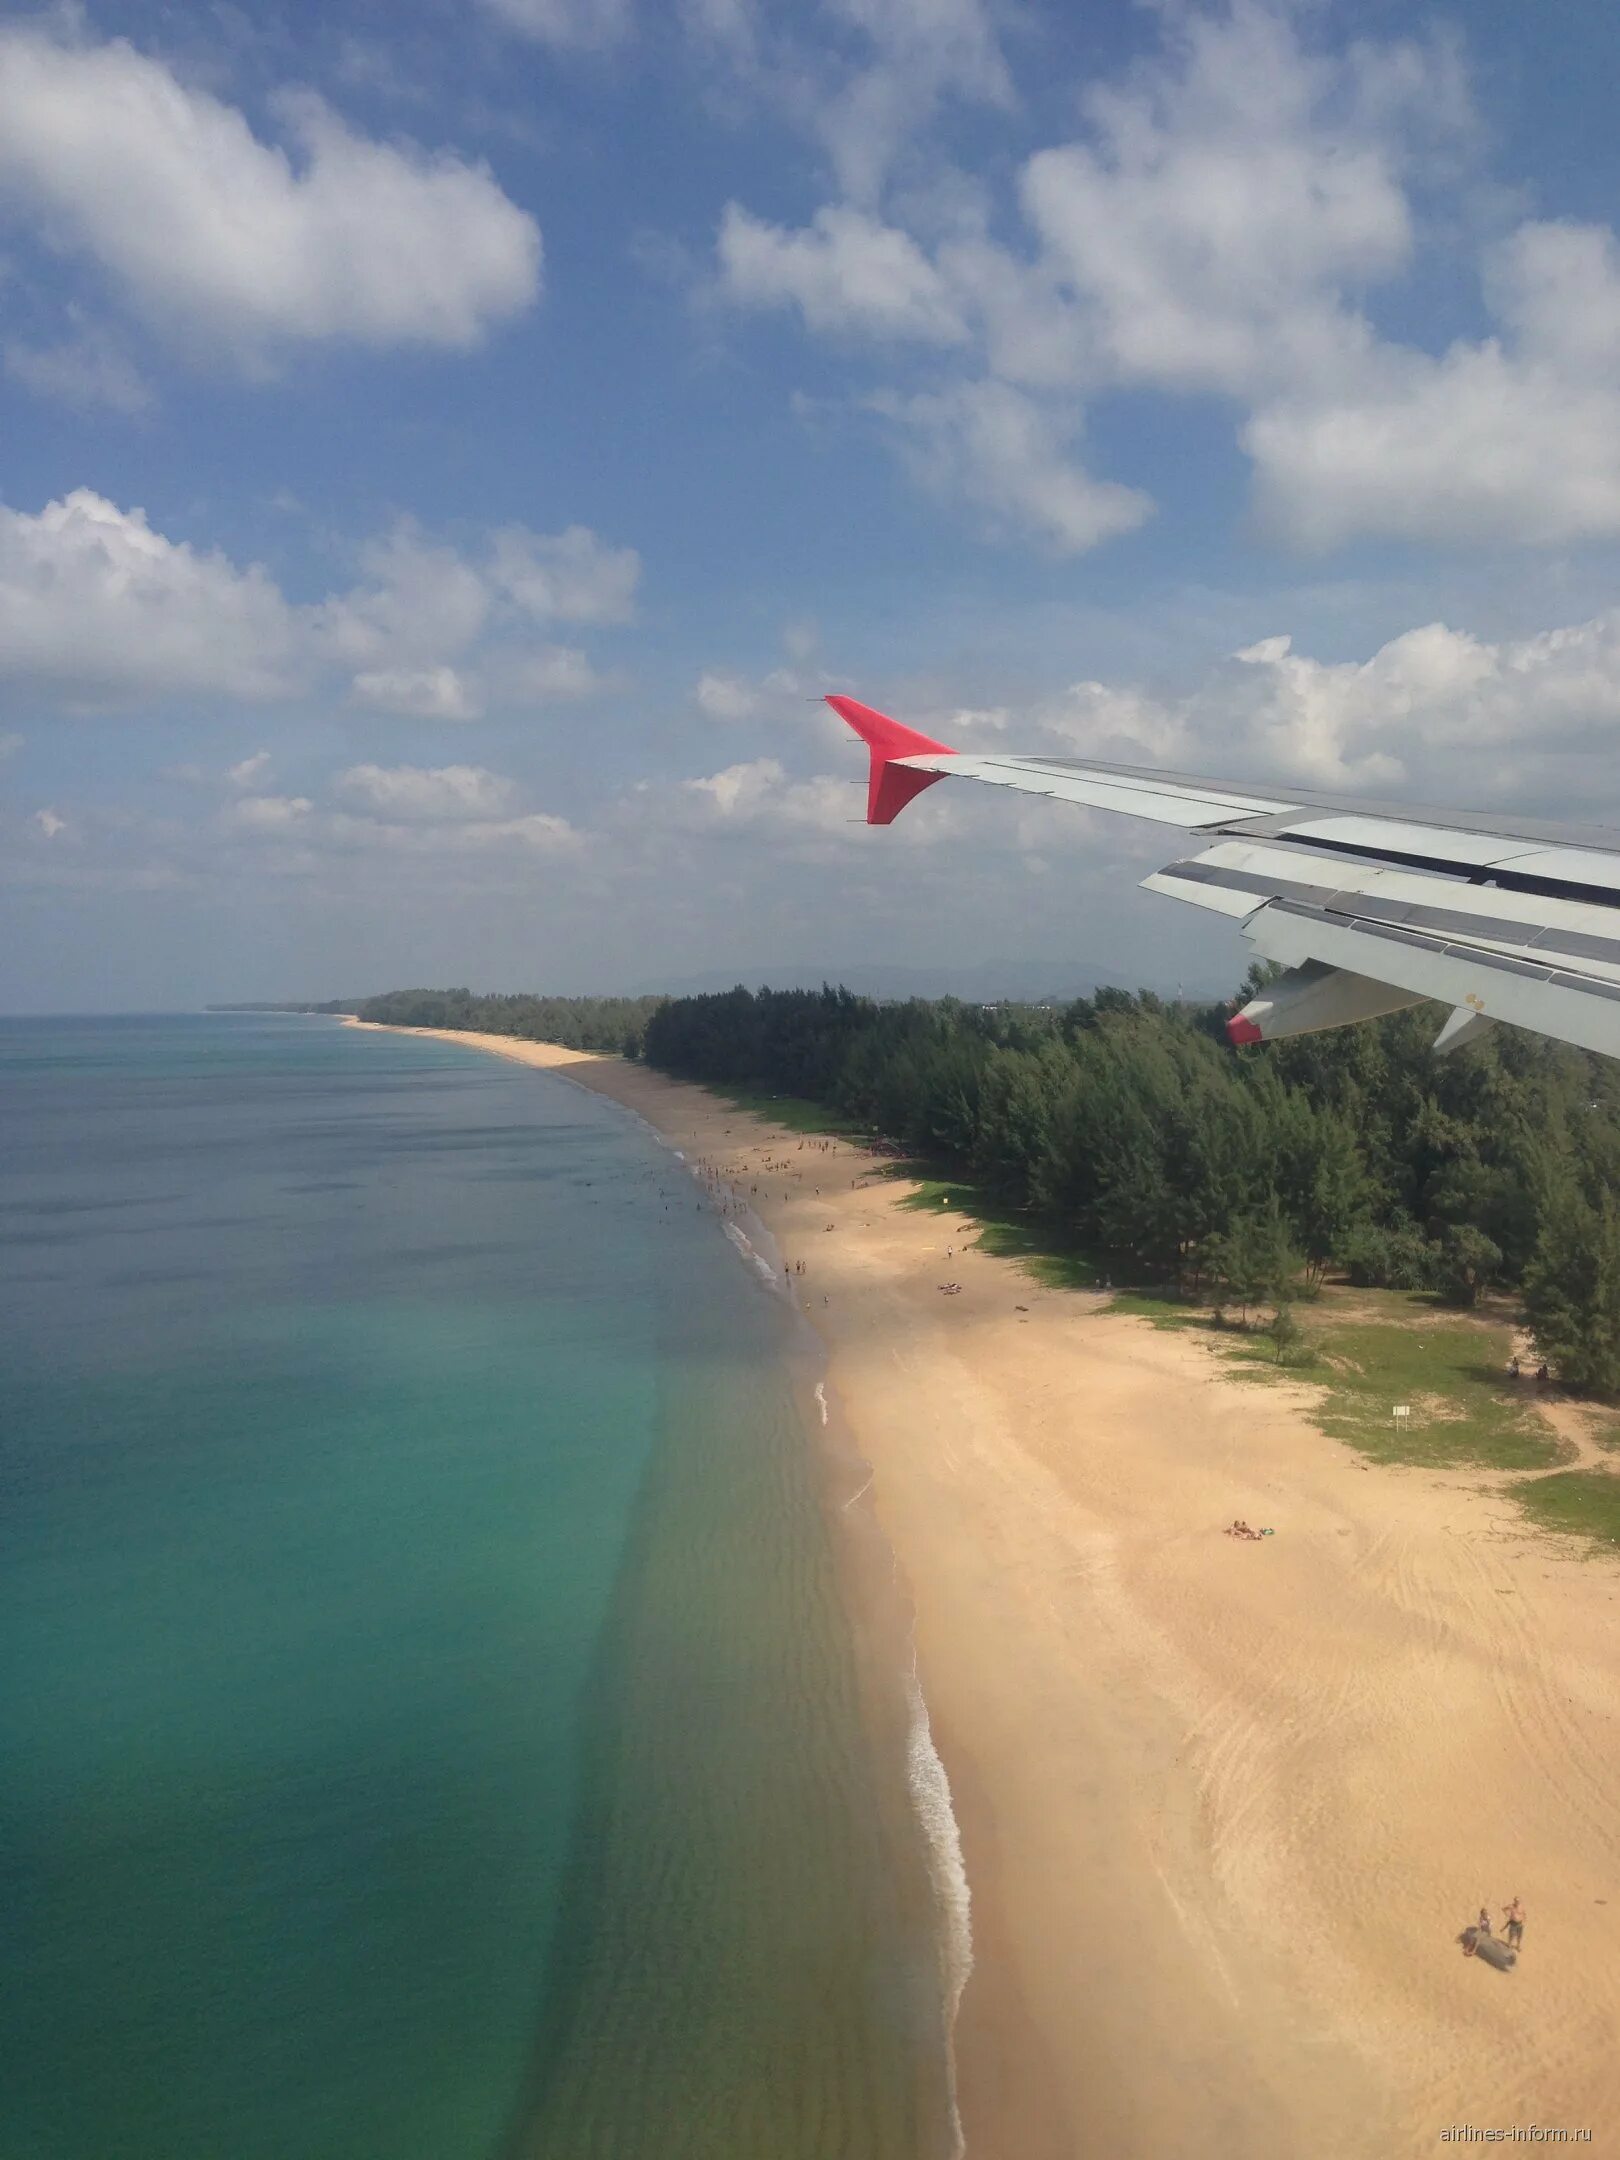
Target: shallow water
(431, 1716)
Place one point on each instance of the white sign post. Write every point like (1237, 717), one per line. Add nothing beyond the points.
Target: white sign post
(1401, 1411)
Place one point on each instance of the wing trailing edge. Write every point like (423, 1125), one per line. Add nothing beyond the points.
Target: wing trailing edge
(1371, 906)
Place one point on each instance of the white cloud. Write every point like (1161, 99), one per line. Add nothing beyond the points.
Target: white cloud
(243, 774)
(536, 830)
(406, 832)
(1515, 438)
(213, 233)
(96, 606)
(555, 675)
(1425, 698)
(1439, 713)
(724, 696)
(566, 23)
(96, 609)
(436, 793)
(419, 603)
(1010, 455)
(415, 693)
(84, 371)
(49, 823)
(917, 54)
(571, 576)
(272, 814)
(1223, 204)
(394, 810)
(759, 795)
(1217, 226)
(848, 274)
(758, 803)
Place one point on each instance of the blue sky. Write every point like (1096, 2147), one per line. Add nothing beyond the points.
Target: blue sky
(447, 450)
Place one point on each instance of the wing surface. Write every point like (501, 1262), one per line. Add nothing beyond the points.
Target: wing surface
(1369, 906)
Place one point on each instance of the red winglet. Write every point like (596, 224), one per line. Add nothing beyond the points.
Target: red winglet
(891, 786)
(1240, 1031)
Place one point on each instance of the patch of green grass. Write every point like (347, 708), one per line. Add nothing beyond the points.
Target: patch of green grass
(1373, 1349)
(1164, 1307)
(1584, 1502)
(1452, 1374)
(1005, 1232)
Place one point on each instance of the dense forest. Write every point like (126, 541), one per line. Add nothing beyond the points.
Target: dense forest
(580, 1023)
(1135, 1131)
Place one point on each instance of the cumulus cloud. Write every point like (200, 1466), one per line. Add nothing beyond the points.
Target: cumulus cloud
(378, 811)
(242, 244)
(554, 675)
(1404, 719)
(418, 602)
(1224, 201)
(97, 609)
(861, 78)
(1218, 225)
(916, 55)
(571, 576)
(1010, 455)
(758, 794)
(266, 813)
(760, 804)
(1514, 437)
(724, 696)
(430, 793)
(437, 693)
(96, 606)
(847, 273)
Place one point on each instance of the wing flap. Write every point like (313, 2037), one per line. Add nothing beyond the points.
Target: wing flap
(1550, 1000)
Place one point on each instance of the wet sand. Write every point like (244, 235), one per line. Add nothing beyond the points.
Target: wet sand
(1225, 1807)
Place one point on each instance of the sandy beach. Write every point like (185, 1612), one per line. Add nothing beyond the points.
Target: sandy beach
(1225, 1807)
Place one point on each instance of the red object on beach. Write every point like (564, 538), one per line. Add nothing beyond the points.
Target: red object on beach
(889, 787)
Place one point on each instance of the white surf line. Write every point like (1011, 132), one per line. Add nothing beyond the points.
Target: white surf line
(821, 1400)
(936, 1816)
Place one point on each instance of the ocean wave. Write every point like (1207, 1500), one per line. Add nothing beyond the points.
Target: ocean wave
(754, 1257)
(931, 1801)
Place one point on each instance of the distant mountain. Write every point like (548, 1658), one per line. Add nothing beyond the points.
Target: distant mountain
(1028, 982)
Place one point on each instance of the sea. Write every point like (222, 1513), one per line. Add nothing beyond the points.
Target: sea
(447, 1707)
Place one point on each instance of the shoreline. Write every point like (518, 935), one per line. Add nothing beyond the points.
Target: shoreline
(1223, 1809)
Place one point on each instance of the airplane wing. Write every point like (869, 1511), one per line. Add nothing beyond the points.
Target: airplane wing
(1368, 906)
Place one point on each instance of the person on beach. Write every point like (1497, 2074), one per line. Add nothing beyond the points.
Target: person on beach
(1484, 1921)
(1514, 1916)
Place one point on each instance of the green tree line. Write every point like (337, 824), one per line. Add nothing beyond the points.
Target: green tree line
(1137, 1133)
(580, 1023)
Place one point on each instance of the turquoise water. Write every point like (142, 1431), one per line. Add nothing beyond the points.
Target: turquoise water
(431, 1721)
